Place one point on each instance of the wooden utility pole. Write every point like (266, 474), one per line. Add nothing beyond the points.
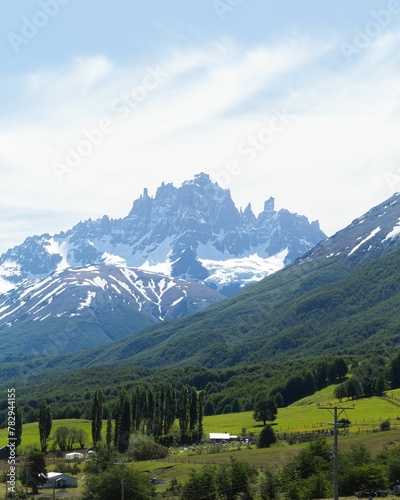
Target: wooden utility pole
(333, 410)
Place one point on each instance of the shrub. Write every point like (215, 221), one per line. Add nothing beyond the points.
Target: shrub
(231, 480)
(145, 448)
(107, 485)
(266, 438)
(362, 477)
(65, 468)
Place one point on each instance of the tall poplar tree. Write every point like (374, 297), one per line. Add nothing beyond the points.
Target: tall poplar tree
(97, 416)
(18, 425)
(159, 411)
(170, 408)
(150, 407)
(45, 424)
(135, 409)
(138, 398)
(200, 407)
(109, 436)
(123, 422)
(184, 413)
(394, 372)
(193, 410)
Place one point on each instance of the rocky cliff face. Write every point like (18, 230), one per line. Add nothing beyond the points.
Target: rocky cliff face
(193, 231)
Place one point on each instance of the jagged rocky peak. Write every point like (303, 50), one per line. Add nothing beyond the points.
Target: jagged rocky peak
(269, 205)
(142, 206)
(197, 201)
(209, 190)
(248, 214)
(202, 180)
(202, 183)
(194, 231)
(165, 191)
(199, 179)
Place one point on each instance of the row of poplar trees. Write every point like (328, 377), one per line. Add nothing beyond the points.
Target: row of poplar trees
(152, 411)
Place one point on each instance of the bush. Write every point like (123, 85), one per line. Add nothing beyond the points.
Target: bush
(65, 468)
(145, 448)
(107, 485)
(269, 485)
(362, 477)
(385, 425)
(393, 464)
(228, 481)
(266, 438)
(293, 439)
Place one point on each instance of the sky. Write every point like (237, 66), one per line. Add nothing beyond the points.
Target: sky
(298, 100)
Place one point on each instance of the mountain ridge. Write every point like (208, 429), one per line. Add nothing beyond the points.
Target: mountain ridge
(384, 229)
(191, 231)
(87, 300)
(321, 304)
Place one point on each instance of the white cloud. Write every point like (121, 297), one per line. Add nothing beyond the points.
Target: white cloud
(192, 110)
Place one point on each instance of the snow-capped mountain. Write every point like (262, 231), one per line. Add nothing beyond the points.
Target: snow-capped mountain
(375, 233)
(89, 291)
(194, 231)
(89, 306)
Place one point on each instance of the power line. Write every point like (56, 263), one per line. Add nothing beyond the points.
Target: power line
(122, 479)
(333, 410)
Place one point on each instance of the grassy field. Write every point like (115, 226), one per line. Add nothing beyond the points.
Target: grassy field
(306, 416)
(303, 417)
(30, 433)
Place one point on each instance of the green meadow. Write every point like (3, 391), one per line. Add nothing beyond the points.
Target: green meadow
(304, 416)
(307, 415)
(30, 433)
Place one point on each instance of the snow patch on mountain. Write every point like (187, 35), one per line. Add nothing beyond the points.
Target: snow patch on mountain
(393, 233)
(161, 268)
(54, 247)
(7, 270)
(244, 271)
(100, 282)
(371, 235)
(87, 301)
(5, 285)
(110, 259)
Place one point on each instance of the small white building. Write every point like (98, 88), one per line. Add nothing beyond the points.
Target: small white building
(74, 456)
(222, 436)
(59, 480)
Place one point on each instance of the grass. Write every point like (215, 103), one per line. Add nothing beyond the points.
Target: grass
(30, 433)
(301, 417)
(306, 416)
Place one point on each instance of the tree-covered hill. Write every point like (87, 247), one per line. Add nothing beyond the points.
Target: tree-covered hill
(321, 307)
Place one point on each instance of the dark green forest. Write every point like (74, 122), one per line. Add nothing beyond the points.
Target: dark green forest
(226, 390)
